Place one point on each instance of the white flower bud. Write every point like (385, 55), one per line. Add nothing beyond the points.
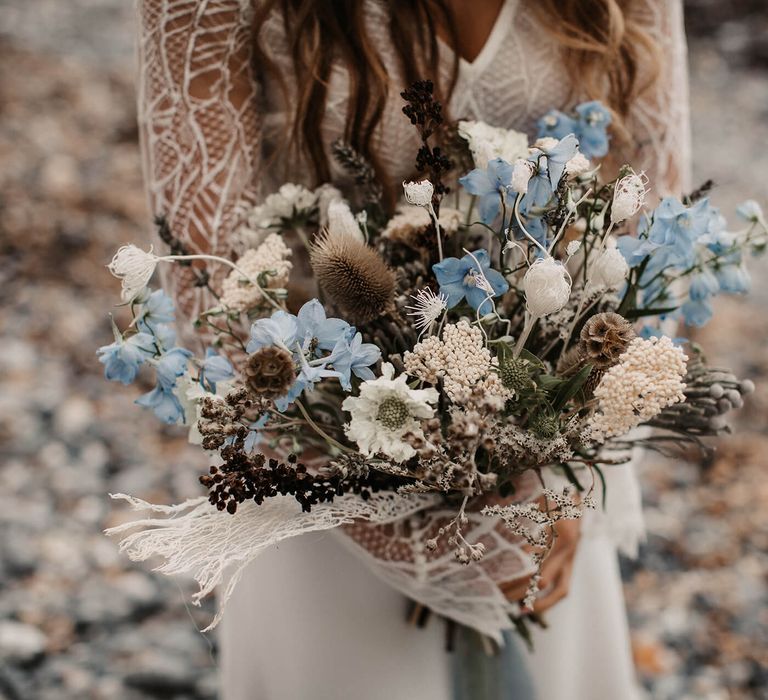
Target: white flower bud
(628, 197)
(610, 269)
(419, 193)
(578, 165)
(547, 286)
(134, 267)
(572, 248)
(521, 175)
(341, 220)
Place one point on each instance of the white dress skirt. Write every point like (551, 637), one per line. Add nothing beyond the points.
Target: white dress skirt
(308, 621)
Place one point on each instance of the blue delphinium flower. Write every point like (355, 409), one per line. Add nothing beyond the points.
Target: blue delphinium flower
(673, 227)
(556, 125)
(732, 275)
(123, 358)
(490, 185)
(285, 330)
(215, 368)
(704, 284)
(697, 312)
(354, 357)
(592, 129)
(589, 126)
(280, 329)
(170, 366)
(458, 280)
(164, 403)
(157, 309)
(316, 329)
(550, 165)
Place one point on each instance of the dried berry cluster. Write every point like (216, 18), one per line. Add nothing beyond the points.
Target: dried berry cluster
(244, 477)
(426, 114)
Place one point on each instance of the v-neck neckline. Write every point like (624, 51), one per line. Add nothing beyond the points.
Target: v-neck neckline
(491, 45)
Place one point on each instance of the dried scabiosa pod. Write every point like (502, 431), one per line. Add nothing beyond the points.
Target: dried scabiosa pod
(604, 338)
(269, 372)
(354, 276)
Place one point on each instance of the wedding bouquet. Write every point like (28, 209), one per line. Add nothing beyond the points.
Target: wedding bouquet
(461, 372)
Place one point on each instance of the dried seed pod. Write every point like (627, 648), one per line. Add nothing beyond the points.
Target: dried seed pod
(269, 372)
(604, 338)
(354, 276)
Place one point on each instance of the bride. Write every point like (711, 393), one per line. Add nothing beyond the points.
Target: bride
(238, 96)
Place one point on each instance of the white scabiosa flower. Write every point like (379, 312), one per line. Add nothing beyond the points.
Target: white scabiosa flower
(521, 175)
(628, 197)
(547, 287)
(341, 220)
(427, 308)
(610, 269)
(386, 411)
(419, 193)
(134, 268)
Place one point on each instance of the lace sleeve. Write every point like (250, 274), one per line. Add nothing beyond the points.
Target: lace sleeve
(199, 125)
(660, 119)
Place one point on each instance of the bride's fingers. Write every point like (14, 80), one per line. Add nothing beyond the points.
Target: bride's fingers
(558, 591)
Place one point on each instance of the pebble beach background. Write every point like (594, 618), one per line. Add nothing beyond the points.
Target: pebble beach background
(79, 621)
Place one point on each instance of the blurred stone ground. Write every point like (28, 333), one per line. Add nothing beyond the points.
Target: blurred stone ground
(77, 620)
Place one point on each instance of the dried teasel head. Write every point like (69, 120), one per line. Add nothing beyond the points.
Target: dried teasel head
(604, 338)
(269, 372)
(354, 276)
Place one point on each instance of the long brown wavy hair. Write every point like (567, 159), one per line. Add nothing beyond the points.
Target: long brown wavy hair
(603, 48)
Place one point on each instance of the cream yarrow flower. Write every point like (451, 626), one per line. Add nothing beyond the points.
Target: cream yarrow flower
(648, 377)
(270, 257)
(461, 359)
(386, 412)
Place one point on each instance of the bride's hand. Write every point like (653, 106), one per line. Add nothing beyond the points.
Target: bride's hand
(556, 570)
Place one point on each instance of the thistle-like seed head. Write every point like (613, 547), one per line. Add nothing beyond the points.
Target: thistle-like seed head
(354, 276)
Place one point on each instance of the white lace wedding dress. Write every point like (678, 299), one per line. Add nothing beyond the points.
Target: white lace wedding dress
(309, 620)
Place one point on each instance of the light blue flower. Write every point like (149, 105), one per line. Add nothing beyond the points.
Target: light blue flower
(673, 227)
(592, 129)
(280, 329)
(215, 368)
(556, 125)
(170, 366)
(550, 166)
(157, 309)
(704, 284)
(457, 279)
(750, 211)
(732, 275)
(123, 358)
(317, 330)
(354, 357)
(697, 312)
(490, 185)
(164, 403)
